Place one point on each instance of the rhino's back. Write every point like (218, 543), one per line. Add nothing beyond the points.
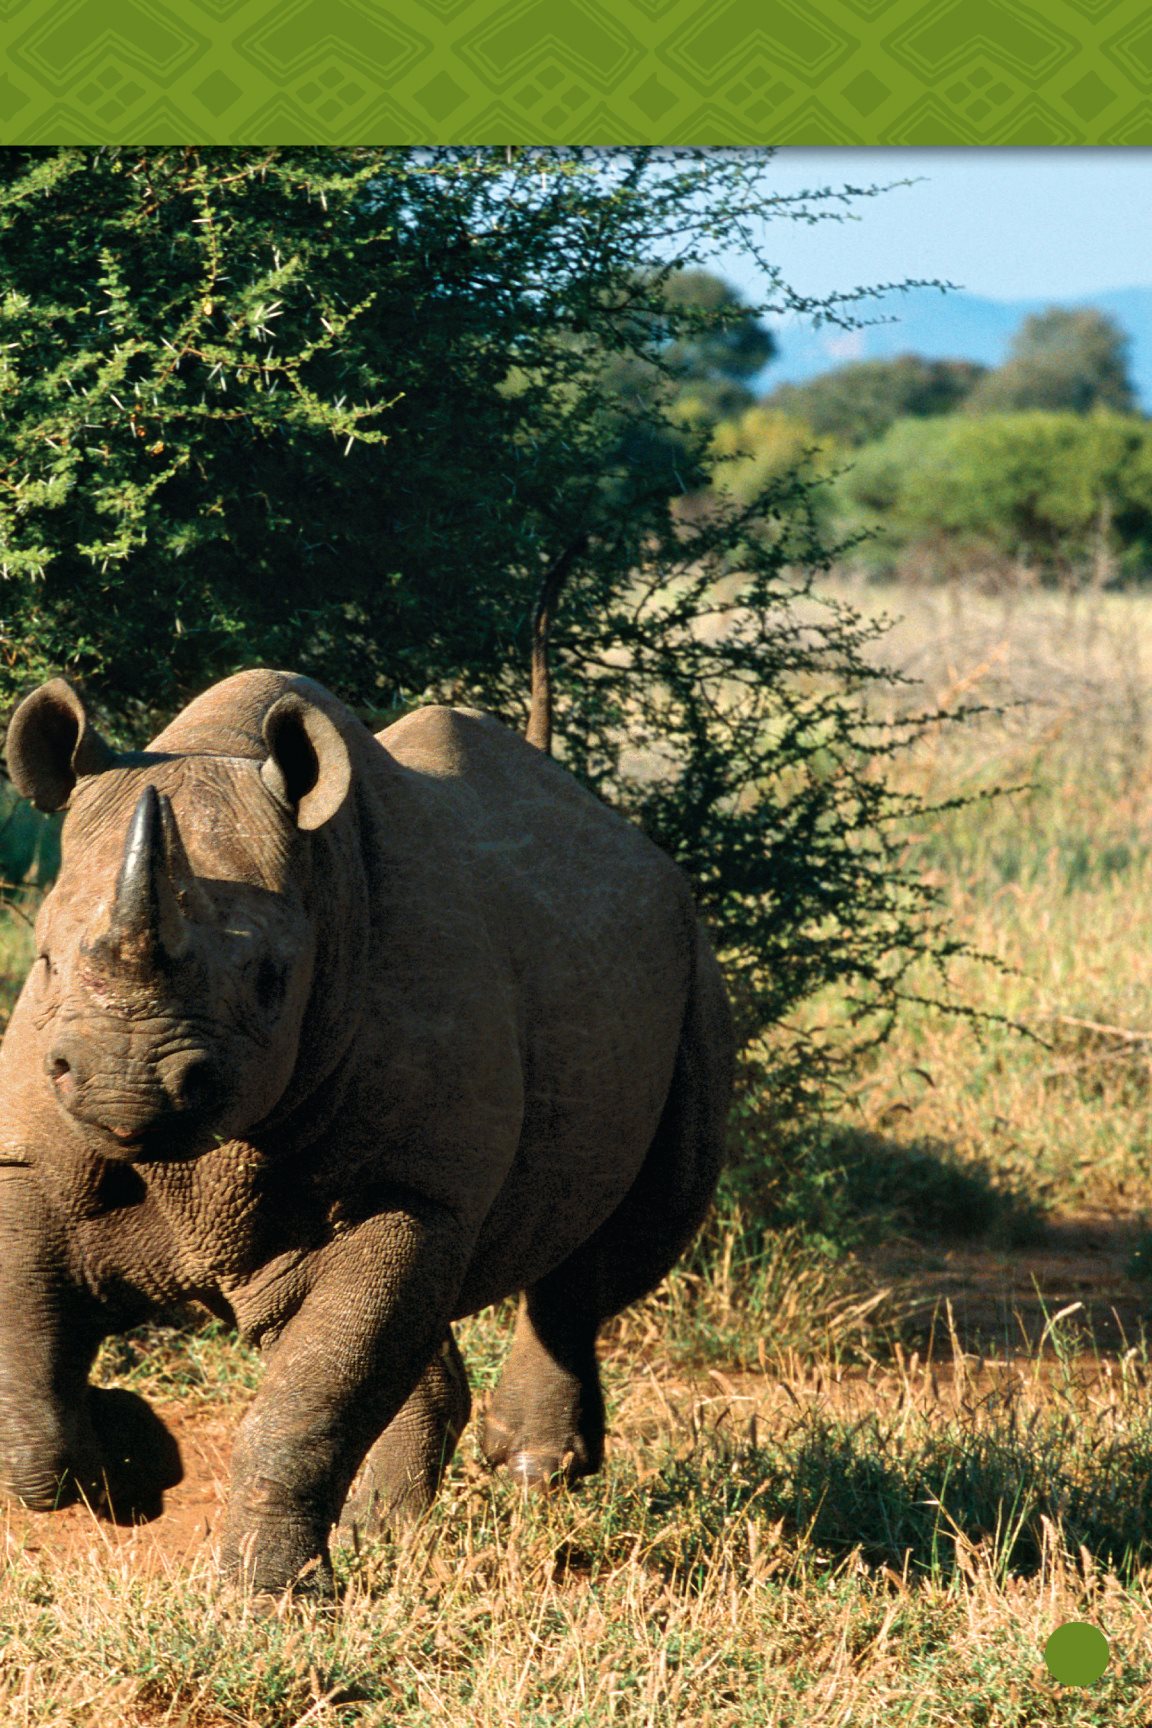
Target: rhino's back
(529, 833)
(598, 931)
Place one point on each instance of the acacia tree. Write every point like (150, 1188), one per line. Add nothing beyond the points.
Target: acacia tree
(360, 412)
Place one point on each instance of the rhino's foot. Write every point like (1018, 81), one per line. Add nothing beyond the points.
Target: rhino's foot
(539, 1464)
(237, 1602)
(275, 1557)
(377, 1504)
(41, 1489)
(398, 1480)
(545, 1420)
(113, 1452)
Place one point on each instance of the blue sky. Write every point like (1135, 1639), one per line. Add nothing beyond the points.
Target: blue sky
(1007, 224)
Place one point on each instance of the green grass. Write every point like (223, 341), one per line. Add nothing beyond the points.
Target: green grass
(190, 1358)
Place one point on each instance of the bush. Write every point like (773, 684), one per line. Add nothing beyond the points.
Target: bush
(1067, 494)
(761, 448)
(857, 402)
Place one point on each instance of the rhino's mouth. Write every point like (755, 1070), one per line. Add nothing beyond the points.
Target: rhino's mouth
(174, 1141)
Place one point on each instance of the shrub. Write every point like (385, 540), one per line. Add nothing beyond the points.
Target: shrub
(1065, 493)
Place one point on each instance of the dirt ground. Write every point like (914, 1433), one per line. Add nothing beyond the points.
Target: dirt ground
(191, 1515)
(191, 1510)
(1003, 1301)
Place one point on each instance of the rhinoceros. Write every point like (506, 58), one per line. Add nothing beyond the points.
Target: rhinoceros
(343, 1037)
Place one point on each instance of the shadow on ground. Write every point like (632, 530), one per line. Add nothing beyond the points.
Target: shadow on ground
(966, 1255)
(969, 1257)
(1074, 1286)
(923, 1189)
(933, 1507)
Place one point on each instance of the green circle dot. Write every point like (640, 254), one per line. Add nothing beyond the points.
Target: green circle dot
(1076, 1653)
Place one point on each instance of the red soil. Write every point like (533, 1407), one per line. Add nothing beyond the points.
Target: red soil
(191, 1509)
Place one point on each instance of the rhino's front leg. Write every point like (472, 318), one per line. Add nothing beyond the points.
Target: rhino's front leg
(48, 1338)
(376, 1310)
(59, 1436)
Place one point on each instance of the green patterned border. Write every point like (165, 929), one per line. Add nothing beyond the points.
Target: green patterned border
(601, 72)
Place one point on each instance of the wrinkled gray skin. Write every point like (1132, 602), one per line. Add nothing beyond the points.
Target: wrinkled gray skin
(343, 1037)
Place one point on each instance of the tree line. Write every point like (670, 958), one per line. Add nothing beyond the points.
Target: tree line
(1042, 465)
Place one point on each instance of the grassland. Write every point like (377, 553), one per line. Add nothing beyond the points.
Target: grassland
(861, 1465)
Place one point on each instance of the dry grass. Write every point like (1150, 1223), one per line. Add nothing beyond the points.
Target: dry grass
(1054, 879)
(761, 1551)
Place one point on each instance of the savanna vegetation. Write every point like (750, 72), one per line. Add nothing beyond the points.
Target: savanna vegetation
(889, 1423)
(1038, 470)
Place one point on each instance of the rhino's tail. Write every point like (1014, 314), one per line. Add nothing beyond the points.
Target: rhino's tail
(539, 728)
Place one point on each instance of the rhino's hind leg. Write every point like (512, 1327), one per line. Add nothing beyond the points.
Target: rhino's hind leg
(545, 1422)
(546, 1419)
(398, 1480)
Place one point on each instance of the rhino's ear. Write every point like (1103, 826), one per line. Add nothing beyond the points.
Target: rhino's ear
(308, 768)
(52, 743)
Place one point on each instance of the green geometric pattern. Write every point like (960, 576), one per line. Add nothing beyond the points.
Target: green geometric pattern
(597, 72)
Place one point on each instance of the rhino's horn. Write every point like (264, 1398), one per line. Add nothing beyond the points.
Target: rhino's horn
(147, 925)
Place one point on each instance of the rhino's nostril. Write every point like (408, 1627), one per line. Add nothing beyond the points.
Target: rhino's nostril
(198, 1087)
(59, 1071)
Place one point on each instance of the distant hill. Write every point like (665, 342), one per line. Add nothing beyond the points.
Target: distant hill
(948, 327)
